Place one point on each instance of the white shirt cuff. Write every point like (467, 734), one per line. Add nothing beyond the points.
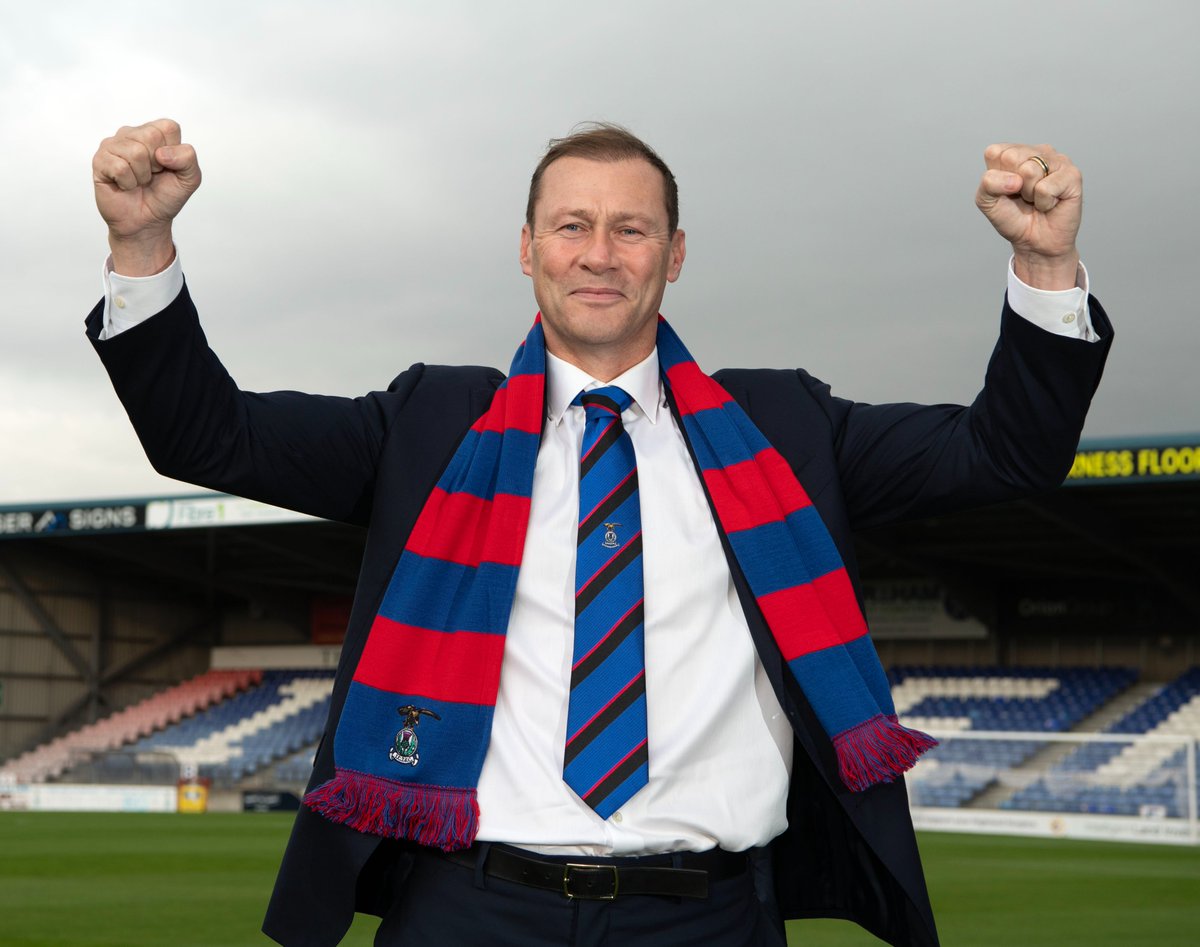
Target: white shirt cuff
(1063, 312)
(131, 300)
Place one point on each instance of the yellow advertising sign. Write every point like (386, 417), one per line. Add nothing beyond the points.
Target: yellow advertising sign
(193, 796)
(1136, 464)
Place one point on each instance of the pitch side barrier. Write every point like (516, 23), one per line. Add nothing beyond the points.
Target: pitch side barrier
(74, 797)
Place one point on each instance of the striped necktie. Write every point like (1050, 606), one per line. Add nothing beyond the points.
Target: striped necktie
(606, 761)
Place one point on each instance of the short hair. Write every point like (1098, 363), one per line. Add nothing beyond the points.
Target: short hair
(604, 141)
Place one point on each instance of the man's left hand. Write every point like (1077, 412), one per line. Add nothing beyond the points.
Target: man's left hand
(1034, 198)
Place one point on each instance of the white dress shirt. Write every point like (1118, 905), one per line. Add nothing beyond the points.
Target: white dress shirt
(720, 746)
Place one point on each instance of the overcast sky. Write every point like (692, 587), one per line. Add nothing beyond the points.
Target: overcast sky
(366, 164)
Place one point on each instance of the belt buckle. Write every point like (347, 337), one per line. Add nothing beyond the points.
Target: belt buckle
(616, 878)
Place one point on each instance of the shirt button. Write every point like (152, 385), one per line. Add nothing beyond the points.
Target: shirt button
(120, 301)
(617, 817)
(1069, 318)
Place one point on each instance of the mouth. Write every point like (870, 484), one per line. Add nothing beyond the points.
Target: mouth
(597, 294)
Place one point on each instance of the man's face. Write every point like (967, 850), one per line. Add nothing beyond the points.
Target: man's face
(600, 256)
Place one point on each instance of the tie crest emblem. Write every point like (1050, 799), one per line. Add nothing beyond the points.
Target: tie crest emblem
(610, 536)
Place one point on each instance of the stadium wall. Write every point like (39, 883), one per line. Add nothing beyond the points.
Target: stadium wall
(43, 690)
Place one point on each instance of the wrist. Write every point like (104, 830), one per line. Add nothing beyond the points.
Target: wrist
(1046, 272)
(141, 256)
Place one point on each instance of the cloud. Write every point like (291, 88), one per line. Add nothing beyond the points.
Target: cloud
(365, 169)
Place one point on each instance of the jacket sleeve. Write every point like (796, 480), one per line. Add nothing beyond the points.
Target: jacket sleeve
(312, 453)
(1018, 437)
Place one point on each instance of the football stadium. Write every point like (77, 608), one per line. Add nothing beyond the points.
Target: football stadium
(166, 667)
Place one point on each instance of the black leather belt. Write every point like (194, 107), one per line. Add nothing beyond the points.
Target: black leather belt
(683, 875)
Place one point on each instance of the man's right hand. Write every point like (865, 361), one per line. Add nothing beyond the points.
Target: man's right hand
(143, 176)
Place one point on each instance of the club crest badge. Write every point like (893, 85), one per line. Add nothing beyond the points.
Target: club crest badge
(610, 536)
(404, 749)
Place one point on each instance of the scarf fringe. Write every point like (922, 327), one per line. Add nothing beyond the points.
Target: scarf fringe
(436, 816)
(878, 750)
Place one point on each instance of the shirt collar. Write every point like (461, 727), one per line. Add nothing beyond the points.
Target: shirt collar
(564, 381)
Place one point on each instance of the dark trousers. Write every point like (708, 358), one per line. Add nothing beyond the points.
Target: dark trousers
(452, 905)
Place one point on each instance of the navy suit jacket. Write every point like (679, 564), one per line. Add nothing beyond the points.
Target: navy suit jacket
(373, 460)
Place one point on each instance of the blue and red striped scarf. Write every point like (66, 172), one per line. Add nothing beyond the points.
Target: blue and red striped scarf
(412, 735)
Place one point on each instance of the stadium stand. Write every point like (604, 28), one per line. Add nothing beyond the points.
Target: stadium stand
(233, 739)
(51, 760)
(256, 727)
(957, 699)
(995, 698)
(1125, 778)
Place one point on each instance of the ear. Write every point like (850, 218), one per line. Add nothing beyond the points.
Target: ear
(678, 252)
(526, 251)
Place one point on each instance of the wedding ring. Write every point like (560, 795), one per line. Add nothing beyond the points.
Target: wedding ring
(1042, 161)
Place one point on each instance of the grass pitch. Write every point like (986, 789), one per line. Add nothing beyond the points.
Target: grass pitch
(84, 880)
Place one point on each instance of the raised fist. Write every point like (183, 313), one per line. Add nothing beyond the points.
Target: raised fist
(143, 176)
(1033, 195)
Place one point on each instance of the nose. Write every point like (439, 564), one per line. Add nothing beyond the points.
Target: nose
(597, 254)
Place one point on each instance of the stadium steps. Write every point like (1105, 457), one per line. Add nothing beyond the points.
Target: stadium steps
(1117, 708)
(994, 796)
(955, 700)
(1138, 762)
(291, 772)
(1128, 779)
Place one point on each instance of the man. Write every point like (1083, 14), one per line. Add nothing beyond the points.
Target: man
(659, 720)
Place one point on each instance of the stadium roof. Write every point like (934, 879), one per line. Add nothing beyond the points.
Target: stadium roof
(1129, 512)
